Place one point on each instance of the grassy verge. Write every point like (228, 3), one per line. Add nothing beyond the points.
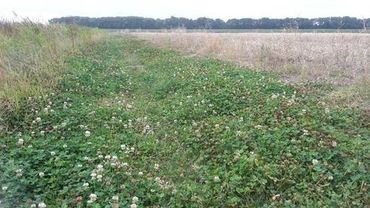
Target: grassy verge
(32, 57)
(130, 125)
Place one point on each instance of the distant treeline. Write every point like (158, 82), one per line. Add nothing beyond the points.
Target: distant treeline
(207, 23)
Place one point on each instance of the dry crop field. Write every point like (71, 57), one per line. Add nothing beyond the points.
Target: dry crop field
(338, 60)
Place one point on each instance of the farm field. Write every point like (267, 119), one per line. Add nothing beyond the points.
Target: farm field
(337, 61)
(130, 125)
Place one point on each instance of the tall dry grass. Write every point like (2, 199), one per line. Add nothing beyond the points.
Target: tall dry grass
(32, 57)
(339, 59)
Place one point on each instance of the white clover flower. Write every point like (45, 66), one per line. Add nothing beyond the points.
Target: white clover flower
(100, 167)
(4, 188)
(315, 162)
(305, 132)
(93, 174)
(327, 111)
(87, 133)
(107, 157)
(330, 177)
(38, 119)
(42, 205)
(41, 174)
(133, 206)
(135, 199)
(64, 124)
(20, 142)
(115, 198)
(156, 166)
(93, 197)
(100, 156)
(114, 157)
(19, 172)
(42, 133)
(141, 173)
(85, 185)
(99, 177)
(65, 146)
(33, 205)
(258, 127)
(216, 179)
(52, 153)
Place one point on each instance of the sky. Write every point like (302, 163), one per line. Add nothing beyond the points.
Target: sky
(42, 10)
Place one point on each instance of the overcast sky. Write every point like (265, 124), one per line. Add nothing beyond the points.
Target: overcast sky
(42, 10)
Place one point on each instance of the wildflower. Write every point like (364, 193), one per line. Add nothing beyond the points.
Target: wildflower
(42, 205)
(79, 199)
(305, 132)
(33, 205)
(19, 172)
(133, 206)
(258, 127)
(276, 197)
(4, 188)
(41, 174)
(64, 124)
(65, 146)
(128, 106)
(93, 198)
(20, 142)
(216, 179)
(52, 153)
(107, 157)
(115, 198)
(99, 177)
(85, 185)
(156, 166)
(141, 173)
(135, 200)
(93, 175)
(315, 162)
(87, 133)
(38, 119)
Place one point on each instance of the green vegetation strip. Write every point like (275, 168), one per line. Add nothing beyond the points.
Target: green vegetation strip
(134, 126)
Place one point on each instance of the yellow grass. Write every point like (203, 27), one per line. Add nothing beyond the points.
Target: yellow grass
(32, 57)
(338, 59)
